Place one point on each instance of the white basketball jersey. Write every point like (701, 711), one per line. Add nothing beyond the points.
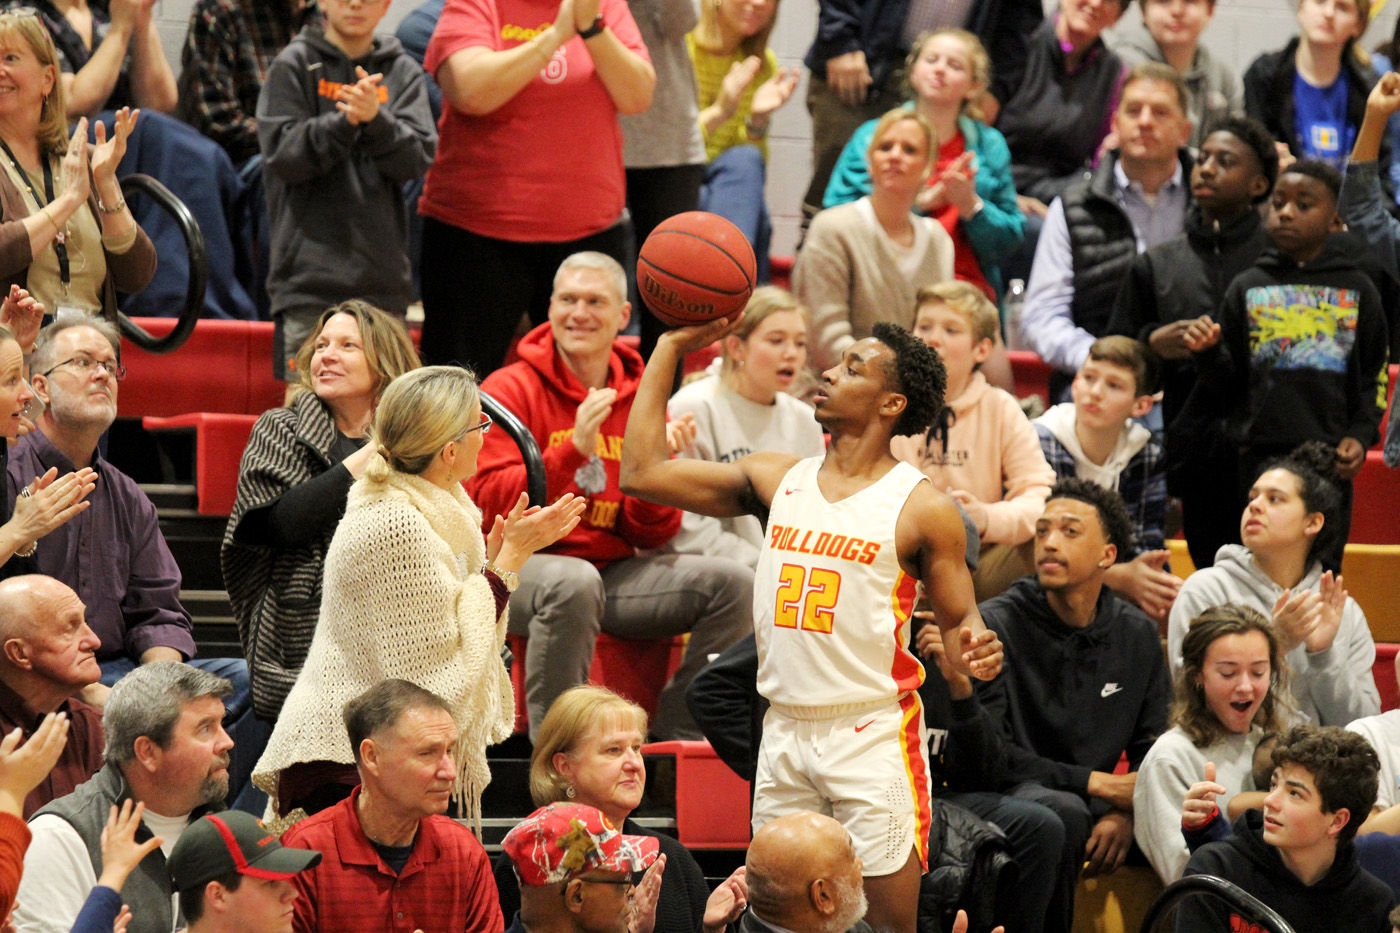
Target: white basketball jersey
(831, 603)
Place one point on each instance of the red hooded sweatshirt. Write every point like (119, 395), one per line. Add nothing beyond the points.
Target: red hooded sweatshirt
(544, 394)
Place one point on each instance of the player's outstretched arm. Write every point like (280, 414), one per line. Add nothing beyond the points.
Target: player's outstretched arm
(648, 472)
(932, 543)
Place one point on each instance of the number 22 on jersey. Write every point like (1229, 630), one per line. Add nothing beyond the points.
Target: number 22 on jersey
(806, 598)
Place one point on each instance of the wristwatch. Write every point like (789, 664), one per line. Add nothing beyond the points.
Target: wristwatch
(593, 29)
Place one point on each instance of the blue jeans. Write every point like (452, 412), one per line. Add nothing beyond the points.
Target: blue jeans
(733, 189)
(249, 733)
(1037, 838)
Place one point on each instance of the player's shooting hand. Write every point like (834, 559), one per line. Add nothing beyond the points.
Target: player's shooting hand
(698, 336)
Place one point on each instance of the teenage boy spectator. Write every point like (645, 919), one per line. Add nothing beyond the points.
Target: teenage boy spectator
(981, 448)
(1170, 301)
(1096, 438)
(1135, 199)
(573, 389)
(1301, 352)
(232, 875)
(1297, 854)
(1084, 681)
(1174, 30)
(344, 124)
(228, 49)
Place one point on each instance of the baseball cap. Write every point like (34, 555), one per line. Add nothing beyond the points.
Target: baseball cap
(219, 844)
(563, 840)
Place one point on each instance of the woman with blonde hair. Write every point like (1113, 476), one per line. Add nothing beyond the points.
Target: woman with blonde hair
(970, 191)
(293, 481)
(748, 405)
(864, 262)
(412, 590)
(1231, 694)
(66, 233)
(588, 750)
(741, 85)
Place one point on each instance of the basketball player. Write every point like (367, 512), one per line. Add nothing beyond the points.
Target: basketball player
(849, 538)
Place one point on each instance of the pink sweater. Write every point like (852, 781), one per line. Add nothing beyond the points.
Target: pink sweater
(993, 453)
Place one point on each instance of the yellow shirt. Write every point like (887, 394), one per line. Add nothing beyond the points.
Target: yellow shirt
(710, 70)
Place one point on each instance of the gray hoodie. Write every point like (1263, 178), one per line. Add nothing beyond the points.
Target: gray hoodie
(1333, 686)
(339, 224)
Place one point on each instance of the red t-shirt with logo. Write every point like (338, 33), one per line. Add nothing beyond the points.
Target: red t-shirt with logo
(546, 166)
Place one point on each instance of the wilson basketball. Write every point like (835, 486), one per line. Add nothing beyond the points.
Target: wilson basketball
(694, 268)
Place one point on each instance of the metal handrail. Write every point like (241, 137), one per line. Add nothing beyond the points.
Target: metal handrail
(198, 266)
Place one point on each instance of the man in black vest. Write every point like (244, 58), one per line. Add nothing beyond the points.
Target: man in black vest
(166, 748)
(1134, 199)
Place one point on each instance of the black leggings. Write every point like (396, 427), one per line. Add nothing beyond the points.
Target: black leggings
(476, 289)
(653, 195)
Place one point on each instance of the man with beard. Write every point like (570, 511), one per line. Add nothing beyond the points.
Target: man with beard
(803, 876)
(166, 748)
(113, 554)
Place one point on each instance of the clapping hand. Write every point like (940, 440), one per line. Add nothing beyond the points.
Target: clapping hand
(23, 767)
(643, 903)
(360, 101)
(680, 433)
(107, 153)
(22, 313)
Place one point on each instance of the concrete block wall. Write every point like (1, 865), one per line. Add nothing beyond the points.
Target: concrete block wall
(1240, 31)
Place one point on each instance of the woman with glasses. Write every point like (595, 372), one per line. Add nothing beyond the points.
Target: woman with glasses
(292, 484)
(66, 233)
(412, 590)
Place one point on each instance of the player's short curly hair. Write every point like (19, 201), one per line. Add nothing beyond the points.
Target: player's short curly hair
(1113, 516)
(918, 375)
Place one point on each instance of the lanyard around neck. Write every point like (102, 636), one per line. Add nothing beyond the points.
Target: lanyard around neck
(60, 240)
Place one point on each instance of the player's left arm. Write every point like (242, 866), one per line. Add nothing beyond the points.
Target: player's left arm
(932, 544)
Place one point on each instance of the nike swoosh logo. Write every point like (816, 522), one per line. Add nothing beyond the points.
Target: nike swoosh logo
(859, 728)
(1109, 690)
(788, 492)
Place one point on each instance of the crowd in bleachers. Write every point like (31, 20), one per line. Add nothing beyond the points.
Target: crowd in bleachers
(849, 515)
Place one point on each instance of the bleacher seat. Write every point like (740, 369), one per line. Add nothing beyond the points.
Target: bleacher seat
(1031, 375)
(634, 668)
(219, 442)
(1375, 508)
(712, 802)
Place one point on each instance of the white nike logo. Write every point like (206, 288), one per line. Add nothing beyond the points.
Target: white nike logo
(1110, 689)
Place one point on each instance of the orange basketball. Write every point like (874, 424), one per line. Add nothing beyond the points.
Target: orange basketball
(694, 268)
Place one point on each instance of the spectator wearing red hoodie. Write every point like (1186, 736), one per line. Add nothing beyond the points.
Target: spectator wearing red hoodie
(573, 389)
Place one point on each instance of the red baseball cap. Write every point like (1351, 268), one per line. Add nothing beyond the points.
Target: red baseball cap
(564, 840)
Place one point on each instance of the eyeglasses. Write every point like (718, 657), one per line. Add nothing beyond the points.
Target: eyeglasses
(485, 425)
(624, 882)
(86, 364)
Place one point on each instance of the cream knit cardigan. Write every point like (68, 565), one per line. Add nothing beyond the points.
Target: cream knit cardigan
(403, 596)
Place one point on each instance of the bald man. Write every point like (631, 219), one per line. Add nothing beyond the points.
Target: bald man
(47, 655)
(804, 877)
